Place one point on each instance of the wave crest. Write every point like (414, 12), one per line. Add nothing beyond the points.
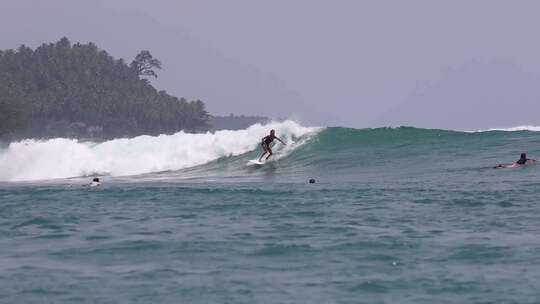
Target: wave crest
(63, 158)
(513, 129)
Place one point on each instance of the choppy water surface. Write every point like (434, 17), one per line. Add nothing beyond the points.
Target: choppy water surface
(397, 216)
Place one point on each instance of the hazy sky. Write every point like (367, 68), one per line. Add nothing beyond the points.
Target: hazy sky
(461, 64)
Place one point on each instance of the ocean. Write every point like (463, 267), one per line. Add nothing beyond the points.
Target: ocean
(397, 215)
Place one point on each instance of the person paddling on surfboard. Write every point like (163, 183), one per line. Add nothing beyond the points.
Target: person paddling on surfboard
(523, 160)
(266, 141)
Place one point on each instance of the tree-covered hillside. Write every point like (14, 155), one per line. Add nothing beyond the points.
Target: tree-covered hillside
(60, 89)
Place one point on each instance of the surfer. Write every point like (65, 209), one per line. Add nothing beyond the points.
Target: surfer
(523, 160)
(266, 141)
(95, 182)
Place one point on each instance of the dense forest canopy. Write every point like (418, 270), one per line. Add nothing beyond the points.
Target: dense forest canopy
(60, 89)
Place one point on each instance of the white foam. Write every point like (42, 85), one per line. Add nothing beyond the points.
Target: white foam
(512, 129)
(63, 158)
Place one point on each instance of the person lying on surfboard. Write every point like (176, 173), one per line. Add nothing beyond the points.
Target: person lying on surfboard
(266, 141)
(523, 160)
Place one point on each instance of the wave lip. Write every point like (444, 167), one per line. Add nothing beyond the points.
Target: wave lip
(32, 159)
(512, 129)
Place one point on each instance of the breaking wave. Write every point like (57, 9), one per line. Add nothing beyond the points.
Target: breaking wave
(32, 159)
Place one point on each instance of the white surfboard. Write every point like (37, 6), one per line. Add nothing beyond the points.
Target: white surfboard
(256, 162)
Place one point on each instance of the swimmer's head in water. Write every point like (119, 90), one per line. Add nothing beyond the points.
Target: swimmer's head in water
(96, 180)
(523, 156)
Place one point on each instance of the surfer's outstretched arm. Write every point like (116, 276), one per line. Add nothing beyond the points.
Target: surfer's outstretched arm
(281, 141)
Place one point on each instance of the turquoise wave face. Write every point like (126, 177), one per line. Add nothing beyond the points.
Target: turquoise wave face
(349, 155)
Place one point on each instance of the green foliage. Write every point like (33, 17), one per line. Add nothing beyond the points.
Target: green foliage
(11, 118)
(62, 89)
(144, 63)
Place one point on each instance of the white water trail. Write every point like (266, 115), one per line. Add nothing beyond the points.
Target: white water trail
(31, 159)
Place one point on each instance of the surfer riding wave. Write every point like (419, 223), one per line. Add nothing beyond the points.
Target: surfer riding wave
(266, 141)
